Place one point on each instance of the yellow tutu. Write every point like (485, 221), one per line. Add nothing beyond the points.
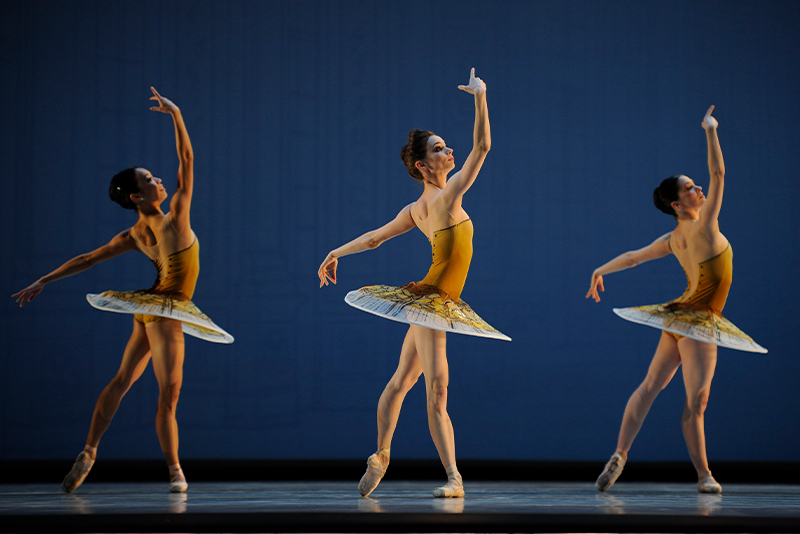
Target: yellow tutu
(193, 321)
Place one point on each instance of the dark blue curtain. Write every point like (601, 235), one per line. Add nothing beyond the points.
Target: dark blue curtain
(297, 112)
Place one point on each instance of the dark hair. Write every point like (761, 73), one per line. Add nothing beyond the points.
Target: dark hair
(123, 185)
(415, 150)
(667, 193)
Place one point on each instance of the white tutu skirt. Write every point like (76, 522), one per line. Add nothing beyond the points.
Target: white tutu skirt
(428, 308)
(193, 322)
(700, 325)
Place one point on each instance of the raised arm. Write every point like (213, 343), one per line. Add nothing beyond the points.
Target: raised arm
(120, 243)
(709, 214)
(182, 199)
(399, 225)
(461, 181)
(657, 249)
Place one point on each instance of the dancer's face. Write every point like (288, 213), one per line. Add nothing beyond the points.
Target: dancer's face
(690, 195)
(150, 189)
(440, 156)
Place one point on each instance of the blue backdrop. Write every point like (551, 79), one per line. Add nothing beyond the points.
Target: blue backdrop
(297, 112)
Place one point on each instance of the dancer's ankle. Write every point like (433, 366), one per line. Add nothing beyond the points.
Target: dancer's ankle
(703, 473)
(383, 454)
(452, 472)
(622, 454)
(175, 472)
(91, 451)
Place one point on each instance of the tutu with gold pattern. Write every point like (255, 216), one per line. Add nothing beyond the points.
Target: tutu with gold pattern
(175, 306)
(424, 306)
(698, 314)
(700, 325)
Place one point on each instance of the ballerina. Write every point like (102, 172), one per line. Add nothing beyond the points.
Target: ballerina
(692, 325)
(162, 313)
(432, 306)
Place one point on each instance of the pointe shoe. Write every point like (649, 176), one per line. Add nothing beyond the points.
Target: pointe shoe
(177, 483)
(375, 471)
(83, 464)
(453, 488)
(178, 486)
(707, 484)
(611, 472)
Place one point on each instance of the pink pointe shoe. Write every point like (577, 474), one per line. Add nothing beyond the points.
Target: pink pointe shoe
(453, 488)
(376, 468)
(707, 484)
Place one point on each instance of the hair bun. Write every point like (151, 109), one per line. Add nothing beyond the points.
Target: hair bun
(416, 149)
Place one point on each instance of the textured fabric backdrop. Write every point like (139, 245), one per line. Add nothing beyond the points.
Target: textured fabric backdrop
(297, 111)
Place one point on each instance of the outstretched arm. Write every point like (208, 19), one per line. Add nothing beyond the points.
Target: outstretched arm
(399, 225)
(709, 214)
(657, 249)
(461, 181)
(182, 199)
(119, 244)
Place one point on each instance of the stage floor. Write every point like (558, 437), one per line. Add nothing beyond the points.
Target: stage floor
(398, 507)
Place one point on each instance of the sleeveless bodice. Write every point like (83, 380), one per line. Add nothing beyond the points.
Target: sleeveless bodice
(434, 302)
(452, 253)
(716, 275)
(697, 314)
(169, 297)
(178, 272)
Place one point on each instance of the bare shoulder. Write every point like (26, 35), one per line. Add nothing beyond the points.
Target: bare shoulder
(124, 240)
(419, 209)
(678, 241)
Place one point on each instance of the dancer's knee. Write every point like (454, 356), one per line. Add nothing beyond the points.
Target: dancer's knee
(122, 382)
(168, 397)
(652, 386)
(403, 384)
(437, 397)
(696, 404)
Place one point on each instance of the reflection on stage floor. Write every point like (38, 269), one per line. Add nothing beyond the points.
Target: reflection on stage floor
(398, 506)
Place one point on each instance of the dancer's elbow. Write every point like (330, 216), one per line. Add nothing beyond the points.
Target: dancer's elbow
(371, 242)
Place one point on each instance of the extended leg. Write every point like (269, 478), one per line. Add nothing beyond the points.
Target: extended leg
(665, 362)
(406, 375)
(699, 363)
(134, 361)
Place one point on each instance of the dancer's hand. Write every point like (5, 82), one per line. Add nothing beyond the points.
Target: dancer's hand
(475, 86)
(597, 283)
(709, 122)
(165, 105)
(327, 271)
(29, 293)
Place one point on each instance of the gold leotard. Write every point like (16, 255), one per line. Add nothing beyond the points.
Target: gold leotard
(698, 315)
(177, 278)
(170, 296)
(435, 301)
